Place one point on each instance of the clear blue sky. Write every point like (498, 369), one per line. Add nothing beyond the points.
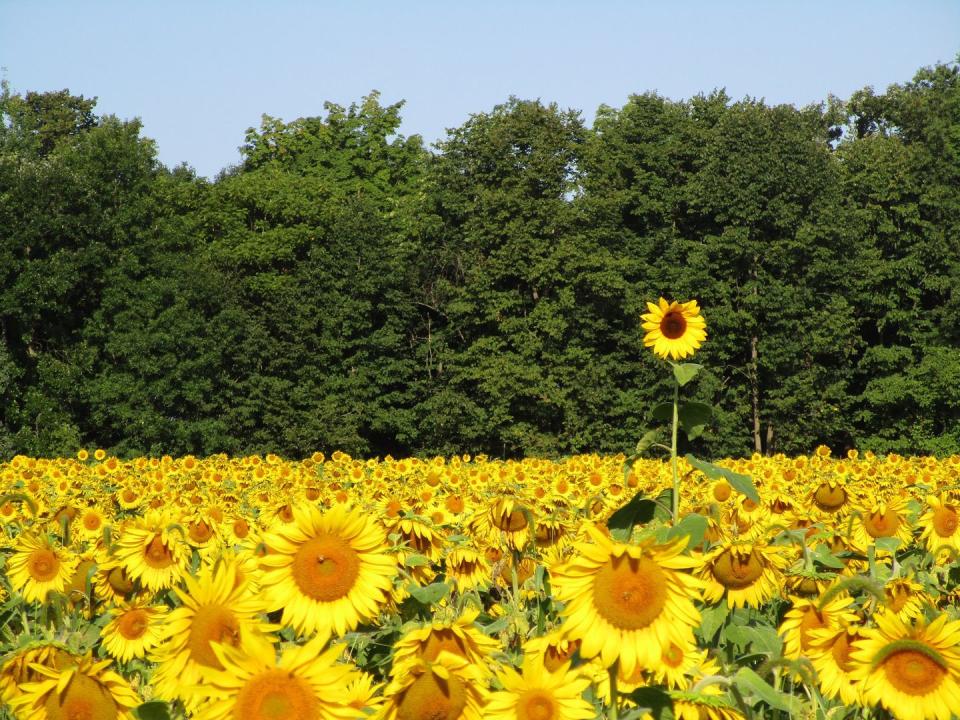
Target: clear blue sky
(199, 73)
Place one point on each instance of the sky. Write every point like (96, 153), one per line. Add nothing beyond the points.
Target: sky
(199, 73)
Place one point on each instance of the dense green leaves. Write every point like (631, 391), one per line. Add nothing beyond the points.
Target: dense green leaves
(346, 288)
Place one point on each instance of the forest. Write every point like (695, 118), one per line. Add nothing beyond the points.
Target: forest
(345, 287)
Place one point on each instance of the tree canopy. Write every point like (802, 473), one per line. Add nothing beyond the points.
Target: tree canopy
(346, 287)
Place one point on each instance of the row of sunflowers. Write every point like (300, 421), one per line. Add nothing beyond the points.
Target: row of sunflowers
(258, 588)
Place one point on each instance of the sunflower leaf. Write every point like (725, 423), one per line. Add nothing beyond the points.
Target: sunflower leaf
(430, 594)
(741, 483)
(752, 684)
(711, 619)
(648, 439)
(685, 372)
(662, 411)
(694, 417)
(153, 710)
(656, 701)
(692, 525)
(416, 560)
(637, 511)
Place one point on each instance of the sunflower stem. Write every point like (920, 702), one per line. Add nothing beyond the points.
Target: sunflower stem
(613, 670)
(673, 451)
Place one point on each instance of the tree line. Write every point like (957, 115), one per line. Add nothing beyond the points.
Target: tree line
(346, 287)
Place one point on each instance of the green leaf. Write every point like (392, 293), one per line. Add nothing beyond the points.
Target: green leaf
(760, 638)
(637, 511)
(663, 411)
(648, 439)
(741, 483)
(752, 684)
(823, 556)
(430, 594)
(497, 625)
(888, 544)
(416, 560)
(655, 701)
(711, 619)
(694, 417)
(685, 372)
(153, 710)
(692, 525)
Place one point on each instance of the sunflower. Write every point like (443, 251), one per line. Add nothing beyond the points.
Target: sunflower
(449, 687)
(540, 693)
(38, 567)
(882, 519)
(913, 671)
(829, 651)
(90, 523)
(111, 582)
(461, 637)
(327, 571)
(807, 615)
(134, 629)
(152, 551)
(553, 649)
(468, 568)
(674, 329)
(363, 693)
(81, 689)
(941, 523)
(306, 682)
(18, 668)
(707, 704)
(215, 609)
(749, 574)
(906, 598)
(627, 602)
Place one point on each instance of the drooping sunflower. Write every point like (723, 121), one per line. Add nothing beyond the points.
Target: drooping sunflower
(941, 523)
(327, 571)
(81, 689)
(153, 551)
(882, 519)
(906, 598)
(553, 649)
(38, 567)
(627, 602)
(18, 669)
(707, 704)
(913, 671)
(748, 573)
(135, 628)
(540, 693)
(829, 651)
(306, 682)
(448, 687)
(674, 330)
(807, 615)
(215, 609)
(468, 568)
(460, 636)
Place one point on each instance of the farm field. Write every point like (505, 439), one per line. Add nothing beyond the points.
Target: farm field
(333, 587)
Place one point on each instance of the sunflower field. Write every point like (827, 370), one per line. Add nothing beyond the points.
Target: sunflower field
(257, 588)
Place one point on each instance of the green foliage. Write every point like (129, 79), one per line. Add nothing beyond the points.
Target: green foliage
(345, 288)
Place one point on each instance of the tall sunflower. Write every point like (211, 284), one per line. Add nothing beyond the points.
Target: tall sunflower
(540, 693)
(38, 567)
(913, 671)
(460, 636)
(674, 330)
(327, 571)
(306, 682)
(627, 601)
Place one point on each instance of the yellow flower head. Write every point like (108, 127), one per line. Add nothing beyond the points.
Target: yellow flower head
(674, 330)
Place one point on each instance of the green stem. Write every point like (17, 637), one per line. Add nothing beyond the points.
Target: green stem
(613, 670)
(673, 452)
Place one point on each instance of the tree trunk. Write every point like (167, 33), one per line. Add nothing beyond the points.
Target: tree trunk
(755, 390)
